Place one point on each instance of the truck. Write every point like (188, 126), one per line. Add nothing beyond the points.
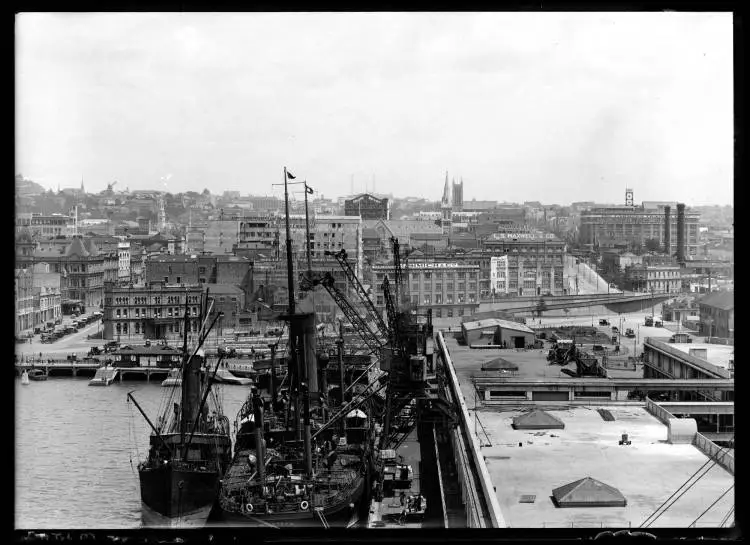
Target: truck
(629, 333)
(649, 321)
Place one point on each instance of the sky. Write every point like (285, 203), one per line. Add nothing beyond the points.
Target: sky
(550, 107)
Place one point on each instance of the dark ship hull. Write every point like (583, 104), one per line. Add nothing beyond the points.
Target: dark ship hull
(180, 497)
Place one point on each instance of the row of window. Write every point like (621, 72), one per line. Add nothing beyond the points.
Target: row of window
(156, 312)
(143, 300)
(121, 328)
(449, 287)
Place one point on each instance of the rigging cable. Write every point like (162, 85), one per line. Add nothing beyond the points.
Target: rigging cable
(646, 523)
(710, 506)
(726, 517)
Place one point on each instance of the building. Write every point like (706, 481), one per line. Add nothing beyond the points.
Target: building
(636, 224)
(446, 207)
(258, 234)
(450, 289)
(47, 296)
(221, 235)
(172, 269)
(654, 278)
(368, 207)
(336, 233)
(48, 225)
(717, 314)
(123, 261)
(497, 332)
(458, 196)
(149, 311)
(231, 270)
(229, 300)
(24, 299)
(535, 263)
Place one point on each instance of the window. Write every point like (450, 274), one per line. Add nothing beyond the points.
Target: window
(461, 311)
(379, 301)
(137, 314)
(118, 312)
(124, 313)
(125, 328)
(461, 286)
(427, 299)
(438, 286)
(166, 279)
(450, 313)
(428, 276)
(449, 286)
(179, 280)
(449, 298)
(415, 299)
(137, 327)
(438, 298)
(438, 313)
(461, 297)
(472, 297)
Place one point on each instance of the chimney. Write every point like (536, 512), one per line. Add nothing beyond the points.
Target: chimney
(680, 232)
(667, 231)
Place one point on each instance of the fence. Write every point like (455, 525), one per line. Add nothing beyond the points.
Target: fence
(659, 412)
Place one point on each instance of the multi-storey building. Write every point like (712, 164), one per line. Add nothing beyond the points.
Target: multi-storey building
(24, 299)
(221, 235)
(150, 311)
(368, 207)
(47, 296)
(717, 314)
(336, 233)
(258, 234)
(123, 261)
(534, 264)
(637, 224)
(451, 290)
(654, 278)
(47, 225)
(172, 269)
(458, 195)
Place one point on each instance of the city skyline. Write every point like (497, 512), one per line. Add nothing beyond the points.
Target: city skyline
(506, 101)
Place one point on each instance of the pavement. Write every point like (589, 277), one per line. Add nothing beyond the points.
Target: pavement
(589, 281)
(75, 343)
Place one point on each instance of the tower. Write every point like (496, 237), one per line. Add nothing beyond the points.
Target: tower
(447, 207)
(628, 197)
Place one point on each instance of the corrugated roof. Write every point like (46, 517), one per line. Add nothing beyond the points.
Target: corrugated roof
(588, 492)
(537, 420)
(494, 322)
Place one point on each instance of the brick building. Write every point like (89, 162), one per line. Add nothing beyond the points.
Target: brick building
(172, 269)
(717, 314)
(654, 278)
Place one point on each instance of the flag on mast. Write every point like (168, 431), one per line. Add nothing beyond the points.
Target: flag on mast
(308, 189)
(290, 175)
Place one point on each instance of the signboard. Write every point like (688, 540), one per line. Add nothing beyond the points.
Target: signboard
(499, 274)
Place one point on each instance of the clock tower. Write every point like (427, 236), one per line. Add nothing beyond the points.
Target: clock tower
(628, 197)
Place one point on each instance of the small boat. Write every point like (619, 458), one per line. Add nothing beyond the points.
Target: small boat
(104, 376)
(225, 377)
(37, 374)
(25, 378)
(174, 378)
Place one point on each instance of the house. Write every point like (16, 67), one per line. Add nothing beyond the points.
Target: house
(717, 314)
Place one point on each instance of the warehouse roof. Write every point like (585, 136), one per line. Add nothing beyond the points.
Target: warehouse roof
(495, 322)
(588, 492)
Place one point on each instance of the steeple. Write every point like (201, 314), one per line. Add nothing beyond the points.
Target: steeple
(447, 193)
(82, 190)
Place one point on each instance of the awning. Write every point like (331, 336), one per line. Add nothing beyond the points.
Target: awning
(356, 413)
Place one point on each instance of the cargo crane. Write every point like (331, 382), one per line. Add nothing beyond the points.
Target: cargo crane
(413, 393)
(373, 340)
(370, 310)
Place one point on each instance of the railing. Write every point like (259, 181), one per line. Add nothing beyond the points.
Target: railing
(659, 412)
(720, 455)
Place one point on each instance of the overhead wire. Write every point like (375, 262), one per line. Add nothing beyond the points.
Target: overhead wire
(710, 506)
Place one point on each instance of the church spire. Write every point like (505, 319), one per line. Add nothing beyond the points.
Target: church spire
(447, 192)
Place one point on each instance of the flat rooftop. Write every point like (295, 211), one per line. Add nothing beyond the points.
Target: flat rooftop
(718, 354)
(647, 472)
(532, 364)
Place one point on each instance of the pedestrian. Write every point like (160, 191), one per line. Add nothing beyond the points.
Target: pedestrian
(402, 518)
(402, 497)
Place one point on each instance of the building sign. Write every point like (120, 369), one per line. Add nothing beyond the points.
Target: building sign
(519, 236)
(499, 274)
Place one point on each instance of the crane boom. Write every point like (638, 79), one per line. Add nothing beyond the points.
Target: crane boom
(372, 312)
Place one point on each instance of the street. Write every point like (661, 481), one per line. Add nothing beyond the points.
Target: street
(69, 344)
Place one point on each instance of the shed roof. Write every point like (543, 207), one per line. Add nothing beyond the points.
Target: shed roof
(537, 420)
(495, 322)
(723, 300)
(588, 492)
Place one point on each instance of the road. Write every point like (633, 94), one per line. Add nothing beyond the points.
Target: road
(635, 321)
(69, 344)
(588, 280)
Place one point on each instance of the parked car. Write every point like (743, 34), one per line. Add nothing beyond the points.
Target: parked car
(603, 322)
(614, 329)
(629, 333)
(598, 348)
(658, 323)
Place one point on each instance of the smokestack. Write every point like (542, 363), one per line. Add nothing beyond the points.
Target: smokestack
(680, 232)
(667, 231)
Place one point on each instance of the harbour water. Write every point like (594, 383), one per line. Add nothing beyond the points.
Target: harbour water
(77, 450)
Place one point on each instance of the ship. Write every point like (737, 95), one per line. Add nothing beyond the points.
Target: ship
(190, 445)
(299, 461)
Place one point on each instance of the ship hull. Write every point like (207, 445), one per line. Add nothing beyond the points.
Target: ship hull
(154, 519)
(338, 514)
(172, 496)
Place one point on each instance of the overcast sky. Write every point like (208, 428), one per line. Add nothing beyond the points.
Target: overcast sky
(555, 107)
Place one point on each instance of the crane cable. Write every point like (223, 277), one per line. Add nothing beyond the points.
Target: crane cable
(726, 517)
(646, 523)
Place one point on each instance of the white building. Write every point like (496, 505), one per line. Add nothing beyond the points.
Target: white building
(123, 259)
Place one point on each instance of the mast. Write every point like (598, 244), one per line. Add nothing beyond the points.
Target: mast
(294, 370)
(289, 264)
